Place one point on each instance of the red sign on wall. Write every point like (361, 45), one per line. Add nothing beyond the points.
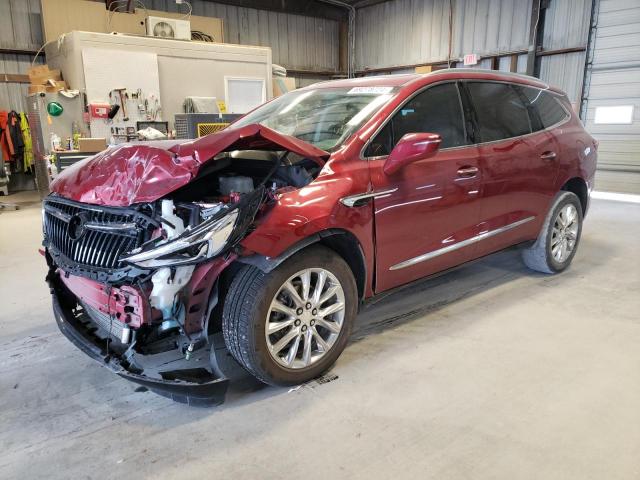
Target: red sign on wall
(471, 59)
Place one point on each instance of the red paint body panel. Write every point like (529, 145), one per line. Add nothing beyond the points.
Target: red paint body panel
(124, 175)
(142, 172)
(517, 184)
(432, 207)
(249, 137)
(111, 300)
(301, 213)
(198, 291)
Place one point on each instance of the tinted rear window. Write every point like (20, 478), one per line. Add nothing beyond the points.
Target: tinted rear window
(546, 105)
(500, 111)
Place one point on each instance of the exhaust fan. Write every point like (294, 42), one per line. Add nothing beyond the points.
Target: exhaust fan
(168, 28)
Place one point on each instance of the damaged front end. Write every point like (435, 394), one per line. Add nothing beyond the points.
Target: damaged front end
(136, 286)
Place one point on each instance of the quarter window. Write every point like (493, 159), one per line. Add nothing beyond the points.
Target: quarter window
(436, 110)
(500, 111)
(546, 105)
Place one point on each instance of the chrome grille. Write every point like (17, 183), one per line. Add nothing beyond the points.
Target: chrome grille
(90, 236)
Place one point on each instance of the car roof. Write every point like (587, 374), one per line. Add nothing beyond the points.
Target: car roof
(407, 79)
(376, 81)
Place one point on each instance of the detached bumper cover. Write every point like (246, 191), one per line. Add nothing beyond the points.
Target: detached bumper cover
(207, 393)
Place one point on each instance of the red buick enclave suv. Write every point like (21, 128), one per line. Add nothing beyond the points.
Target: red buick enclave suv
(261, 241)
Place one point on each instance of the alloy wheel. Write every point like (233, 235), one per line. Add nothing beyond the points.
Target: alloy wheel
(305, 318)
(565, 233)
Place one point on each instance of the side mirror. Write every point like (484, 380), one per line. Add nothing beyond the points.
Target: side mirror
(411, 148)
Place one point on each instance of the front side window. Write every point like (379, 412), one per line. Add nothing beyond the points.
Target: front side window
(436, 110)
(324, 117)
(500, 111)
(546, 105)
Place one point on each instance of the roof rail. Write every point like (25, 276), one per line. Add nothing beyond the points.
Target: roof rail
(486, 70)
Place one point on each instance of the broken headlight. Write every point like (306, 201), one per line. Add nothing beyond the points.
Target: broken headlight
(200, 243)
(204, 241)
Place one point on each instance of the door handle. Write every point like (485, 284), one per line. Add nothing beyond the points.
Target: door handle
(548, 155)
(467, 172)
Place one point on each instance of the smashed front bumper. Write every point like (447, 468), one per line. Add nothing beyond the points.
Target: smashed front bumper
(185, 387)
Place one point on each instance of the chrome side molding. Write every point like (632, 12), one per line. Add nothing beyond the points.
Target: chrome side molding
(464, 243)
(359, 198)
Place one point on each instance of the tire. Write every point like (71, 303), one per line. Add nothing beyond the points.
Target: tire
(543, 256)
(255, 300)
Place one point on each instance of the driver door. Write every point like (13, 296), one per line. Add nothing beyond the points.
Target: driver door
(427, 214)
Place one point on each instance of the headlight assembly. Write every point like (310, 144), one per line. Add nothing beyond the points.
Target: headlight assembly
(200, 243)
(204, 241)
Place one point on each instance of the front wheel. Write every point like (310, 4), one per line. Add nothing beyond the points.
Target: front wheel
(290, 325)
(558, 241)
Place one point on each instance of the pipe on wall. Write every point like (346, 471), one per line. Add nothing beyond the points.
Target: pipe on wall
(351, 32)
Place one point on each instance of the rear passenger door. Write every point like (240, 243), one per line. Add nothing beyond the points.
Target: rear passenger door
(517, 164)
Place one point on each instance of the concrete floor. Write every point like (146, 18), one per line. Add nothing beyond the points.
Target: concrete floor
(488, 372)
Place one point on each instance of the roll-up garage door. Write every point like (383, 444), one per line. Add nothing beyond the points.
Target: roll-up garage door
(612, 91)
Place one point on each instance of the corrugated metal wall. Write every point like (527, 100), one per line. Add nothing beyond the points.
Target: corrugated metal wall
(405, 32)
(566, 26)
(20, 28)
(20, 25)
(12, 95)
(614, 80)
(298, 42)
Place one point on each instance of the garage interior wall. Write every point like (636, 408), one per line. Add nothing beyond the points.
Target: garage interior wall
(388, 34)
(298, 42)
(20, 30)
(409, 32)
(405, 32)
(398, 34)
(613, 79)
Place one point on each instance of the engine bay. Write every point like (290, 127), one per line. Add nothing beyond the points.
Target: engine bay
(231, 175)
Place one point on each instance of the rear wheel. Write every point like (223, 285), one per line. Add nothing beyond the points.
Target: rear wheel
(290, 325)
(558, 241)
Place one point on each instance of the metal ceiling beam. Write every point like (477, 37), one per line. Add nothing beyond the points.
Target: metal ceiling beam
(365, 3)
(310, 8)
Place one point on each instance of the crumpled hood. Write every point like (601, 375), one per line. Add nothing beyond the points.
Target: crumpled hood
(144, 172)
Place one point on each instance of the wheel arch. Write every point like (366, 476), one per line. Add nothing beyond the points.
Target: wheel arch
(342, 242)
(578, 186)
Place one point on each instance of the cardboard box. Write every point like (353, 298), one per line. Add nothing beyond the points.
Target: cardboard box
(41, 74)
(424, 69)
(38, 71)
(92, 145)
(282, 85)
(37, 89)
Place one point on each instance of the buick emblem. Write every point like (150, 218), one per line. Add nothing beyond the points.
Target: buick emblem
(76, 229)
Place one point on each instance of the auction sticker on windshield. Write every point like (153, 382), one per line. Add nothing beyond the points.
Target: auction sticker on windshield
(369, 90)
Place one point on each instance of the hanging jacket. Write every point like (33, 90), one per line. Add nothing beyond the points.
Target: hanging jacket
(26, 139)
(6, 144)
(13, 120)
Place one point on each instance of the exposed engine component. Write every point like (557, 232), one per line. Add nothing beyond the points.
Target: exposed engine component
(235, 183)
(167, 282)
(208, 210)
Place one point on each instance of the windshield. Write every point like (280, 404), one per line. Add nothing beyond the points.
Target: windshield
(324, 117)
